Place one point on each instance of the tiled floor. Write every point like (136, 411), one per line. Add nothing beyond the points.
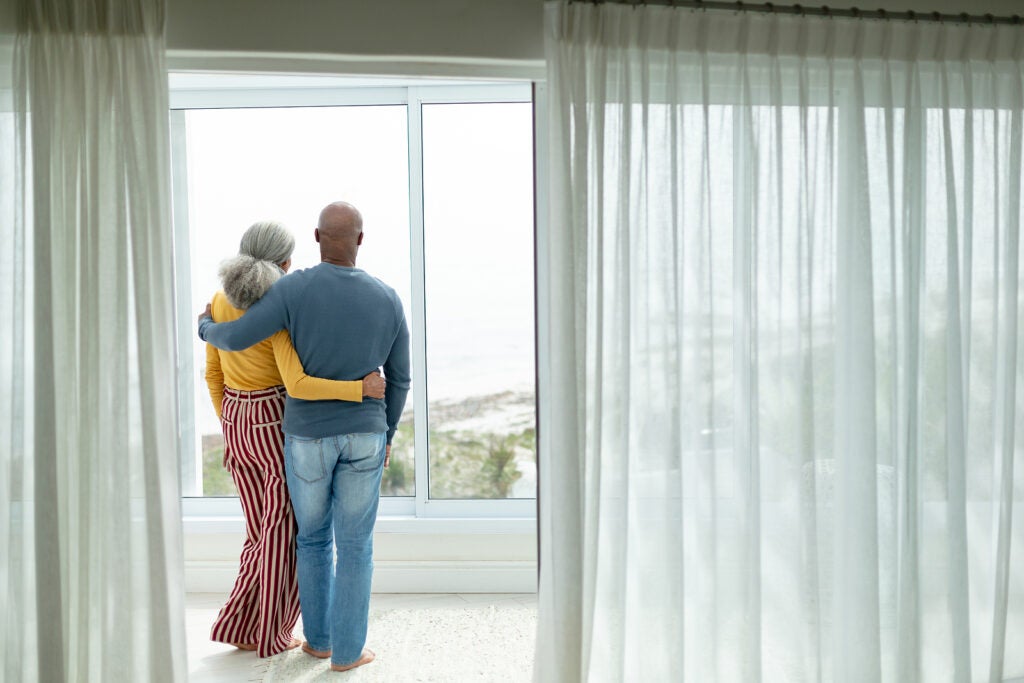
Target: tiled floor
(210, 662)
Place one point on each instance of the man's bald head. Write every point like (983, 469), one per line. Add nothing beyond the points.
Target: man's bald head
(339, 232)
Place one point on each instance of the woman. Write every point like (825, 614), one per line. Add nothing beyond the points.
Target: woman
(247, 392)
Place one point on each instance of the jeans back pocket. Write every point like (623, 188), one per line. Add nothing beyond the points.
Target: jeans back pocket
(307, 458)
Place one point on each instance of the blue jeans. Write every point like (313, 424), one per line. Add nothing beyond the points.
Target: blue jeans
(334, 483)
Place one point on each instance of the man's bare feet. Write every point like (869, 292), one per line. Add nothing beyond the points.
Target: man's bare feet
(365, 658)
(319, 654)
(244, 646)
(295, 642)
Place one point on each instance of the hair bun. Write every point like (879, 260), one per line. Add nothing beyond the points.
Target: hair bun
(246, 279)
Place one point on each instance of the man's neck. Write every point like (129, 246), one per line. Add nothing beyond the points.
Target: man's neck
(346, 261)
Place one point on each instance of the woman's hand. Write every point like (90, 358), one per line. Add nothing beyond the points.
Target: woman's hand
(373, 385)
(208, 313)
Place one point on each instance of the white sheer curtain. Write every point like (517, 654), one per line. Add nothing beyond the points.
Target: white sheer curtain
(90, 571)
(784, 297)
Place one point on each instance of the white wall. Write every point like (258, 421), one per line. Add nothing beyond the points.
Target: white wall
(488, 29)
(473, 38)
(467, 38)
(495, 29)
(404, 562)
(486, 38)
(473, 29)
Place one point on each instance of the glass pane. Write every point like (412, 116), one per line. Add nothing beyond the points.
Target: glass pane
(478, 222)
(286, 164)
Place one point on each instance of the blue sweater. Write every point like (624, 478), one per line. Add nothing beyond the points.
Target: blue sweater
(344, 324)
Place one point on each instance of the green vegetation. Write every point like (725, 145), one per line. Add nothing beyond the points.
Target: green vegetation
(216, 480)
(400, 476)
(467, 464)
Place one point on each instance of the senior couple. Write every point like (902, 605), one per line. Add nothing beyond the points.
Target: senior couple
(320, 450)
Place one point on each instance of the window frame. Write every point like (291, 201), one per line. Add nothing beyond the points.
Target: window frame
(404, 512)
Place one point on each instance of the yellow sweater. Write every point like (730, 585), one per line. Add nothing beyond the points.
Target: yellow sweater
(270, 363)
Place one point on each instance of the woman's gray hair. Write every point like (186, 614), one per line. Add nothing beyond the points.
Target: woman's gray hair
(264, 248)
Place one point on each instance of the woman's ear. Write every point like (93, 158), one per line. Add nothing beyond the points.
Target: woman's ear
(286, 264)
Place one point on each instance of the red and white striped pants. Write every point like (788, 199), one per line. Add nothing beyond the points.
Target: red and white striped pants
(264, 604)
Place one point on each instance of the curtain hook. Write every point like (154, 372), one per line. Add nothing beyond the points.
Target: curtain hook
(912, 15)
(965, 17)
(739, 5)
(770, 7)
(799, 9)
(882, 14)
(1016, 19)
(937, 16)
(826, 11)
(855, 12)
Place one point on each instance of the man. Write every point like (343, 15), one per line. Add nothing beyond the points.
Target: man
(343, 323)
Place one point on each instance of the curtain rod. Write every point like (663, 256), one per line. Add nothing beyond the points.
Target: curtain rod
(822, 11)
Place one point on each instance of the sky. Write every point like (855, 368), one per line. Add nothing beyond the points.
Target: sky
(285, 164)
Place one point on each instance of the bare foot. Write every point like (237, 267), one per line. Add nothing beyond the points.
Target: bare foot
(295, 642)
(365, 658)
(244, 646)
(319, 654)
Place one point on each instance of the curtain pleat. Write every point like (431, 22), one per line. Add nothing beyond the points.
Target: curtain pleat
(91, 502)
(784, 409)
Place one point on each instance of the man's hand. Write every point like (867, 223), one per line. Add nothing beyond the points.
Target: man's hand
(373, 385)
(387, 456)
(208, 313)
